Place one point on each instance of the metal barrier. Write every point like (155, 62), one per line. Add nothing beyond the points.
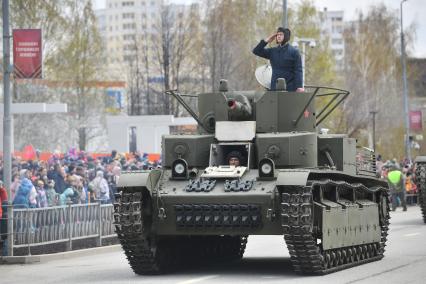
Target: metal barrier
(62, 224)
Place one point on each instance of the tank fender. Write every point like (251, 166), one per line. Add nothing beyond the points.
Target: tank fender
(292, 177)
(140, 179)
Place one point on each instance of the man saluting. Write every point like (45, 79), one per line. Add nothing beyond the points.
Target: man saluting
(285, 60)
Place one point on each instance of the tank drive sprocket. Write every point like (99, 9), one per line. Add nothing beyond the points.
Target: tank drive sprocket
(307, 255)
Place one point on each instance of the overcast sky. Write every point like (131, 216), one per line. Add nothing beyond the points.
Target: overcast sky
(414, 12)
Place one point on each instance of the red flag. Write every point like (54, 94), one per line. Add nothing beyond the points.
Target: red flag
(416, 120)
(27, 53)
(28, 153)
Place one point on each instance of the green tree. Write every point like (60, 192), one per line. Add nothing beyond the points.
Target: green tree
(372, 73)
(78, 62)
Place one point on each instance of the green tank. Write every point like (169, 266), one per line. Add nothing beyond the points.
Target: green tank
(420, 179)
(318, 191)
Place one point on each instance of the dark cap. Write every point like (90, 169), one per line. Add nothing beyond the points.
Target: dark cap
(286, 32)
(235, 154)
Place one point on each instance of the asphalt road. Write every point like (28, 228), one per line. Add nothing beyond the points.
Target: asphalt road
(266, 261)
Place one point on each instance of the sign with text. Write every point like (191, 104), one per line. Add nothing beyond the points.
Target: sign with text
(27, 53)
(416, 121)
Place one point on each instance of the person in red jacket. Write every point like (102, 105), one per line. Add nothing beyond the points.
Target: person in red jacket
(3, 198)
(3, 221)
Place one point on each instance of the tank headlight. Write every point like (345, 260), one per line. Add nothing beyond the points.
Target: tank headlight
(180, 169)
(266, 168)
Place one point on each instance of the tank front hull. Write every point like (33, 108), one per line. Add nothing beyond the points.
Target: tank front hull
(329, 220)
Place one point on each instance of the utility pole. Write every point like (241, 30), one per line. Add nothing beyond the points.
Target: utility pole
(7, 122)
(304, 41)
(285, 22)
(374, 129)
(405, 91)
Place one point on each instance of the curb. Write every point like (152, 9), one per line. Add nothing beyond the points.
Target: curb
(28, 259)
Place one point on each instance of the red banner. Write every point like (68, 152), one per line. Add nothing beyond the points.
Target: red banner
(27, 55)
(416, 120)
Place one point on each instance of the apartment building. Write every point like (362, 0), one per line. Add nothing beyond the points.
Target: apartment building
(333, 26)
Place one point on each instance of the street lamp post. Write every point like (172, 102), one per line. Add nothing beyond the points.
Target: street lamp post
(7, 122)
(304, 41)
(405, 90)
(285, 14)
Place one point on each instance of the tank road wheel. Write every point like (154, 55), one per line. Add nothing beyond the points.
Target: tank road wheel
(350, 255)
(334, 258)
(356, 254)
(366, 252)
(306, 255)
(344, 256)
(327, 260)
(421, 187)
(132, 217)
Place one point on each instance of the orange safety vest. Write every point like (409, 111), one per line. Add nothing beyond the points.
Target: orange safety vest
(408, 185)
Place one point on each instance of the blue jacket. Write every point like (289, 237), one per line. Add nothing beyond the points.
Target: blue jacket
(21, 197)
(60, 185)
(68, 193)
(286, 63)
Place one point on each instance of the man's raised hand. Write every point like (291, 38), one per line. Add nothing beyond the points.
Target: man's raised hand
(271, 38)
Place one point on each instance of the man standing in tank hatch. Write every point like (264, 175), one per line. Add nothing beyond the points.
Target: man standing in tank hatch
(285, 60)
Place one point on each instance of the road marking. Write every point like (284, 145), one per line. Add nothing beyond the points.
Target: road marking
(269, 277)
(195, 280)
(382, 272)
(412, 235)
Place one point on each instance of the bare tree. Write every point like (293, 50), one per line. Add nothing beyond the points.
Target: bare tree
(372, 74)
(136, 80)
(175, 31)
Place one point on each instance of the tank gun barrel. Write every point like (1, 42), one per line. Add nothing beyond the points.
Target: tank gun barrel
(239, 108)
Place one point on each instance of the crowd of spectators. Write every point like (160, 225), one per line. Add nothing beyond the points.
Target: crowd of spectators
(405, 166)
(74, 177)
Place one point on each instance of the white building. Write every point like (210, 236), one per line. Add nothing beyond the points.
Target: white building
(333, 26)
(141, 133)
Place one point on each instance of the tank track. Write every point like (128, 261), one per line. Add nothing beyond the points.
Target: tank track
(306, 255)
(148, 254)
(421, 187)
